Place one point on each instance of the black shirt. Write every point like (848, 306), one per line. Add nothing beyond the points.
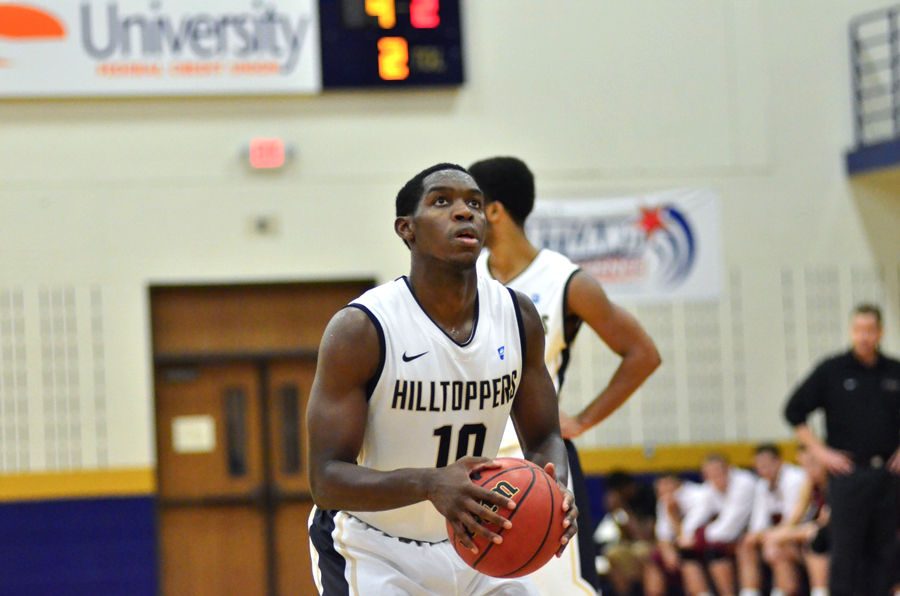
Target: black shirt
(861, 404)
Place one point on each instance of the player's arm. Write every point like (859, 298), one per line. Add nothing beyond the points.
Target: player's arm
(735, 513)
(624, 336)
(804, 498)
(336, 419)
(535, 413)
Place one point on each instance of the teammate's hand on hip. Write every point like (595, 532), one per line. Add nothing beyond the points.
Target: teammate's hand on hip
(569, 427)
(464, 503)
(570, 520)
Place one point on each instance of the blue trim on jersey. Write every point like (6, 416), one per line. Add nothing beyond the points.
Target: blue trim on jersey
(561, 373)
(382, 345)
(474, 322)
(519, 322)
(331, 564)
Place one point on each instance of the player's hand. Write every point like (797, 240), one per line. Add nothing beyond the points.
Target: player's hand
(685, 541)
(894, 462)
(464, 503)
(836, 462)
(569, 427)
(670, 559)
(570, 511)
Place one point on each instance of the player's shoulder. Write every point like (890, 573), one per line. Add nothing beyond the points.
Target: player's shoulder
(793, 471)
(743, 476)
(382, 296)
(550, 259)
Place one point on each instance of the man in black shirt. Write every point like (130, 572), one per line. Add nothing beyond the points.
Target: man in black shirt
(859, 391)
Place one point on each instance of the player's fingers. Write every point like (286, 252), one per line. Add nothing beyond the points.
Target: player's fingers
(461, 536)
(489, 497)
(488, 516)
(471, 462)
(570, 532)
(571, 516)
(551, 470)
(476, 529)
(487, 464)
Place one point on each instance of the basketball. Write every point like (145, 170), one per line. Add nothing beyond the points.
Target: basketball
(536, 520)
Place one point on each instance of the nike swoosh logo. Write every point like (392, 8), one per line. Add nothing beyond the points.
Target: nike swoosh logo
(411, 358)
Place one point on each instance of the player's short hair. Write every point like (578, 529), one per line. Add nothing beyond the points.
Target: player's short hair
(715, 457)
(865, 308)
(770, 448)
(619, 480)
(409, 196)
(508, 181)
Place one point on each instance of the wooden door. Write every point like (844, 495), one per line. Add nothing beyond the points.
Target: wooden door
(211, 480)
(233, 366)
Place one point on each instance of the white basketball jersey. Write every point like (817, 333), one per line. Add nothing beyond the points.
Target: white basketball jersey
(437, 400)
(545, 281)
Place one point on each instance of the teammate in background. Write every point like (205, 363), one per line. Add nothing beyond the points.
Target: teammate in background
(804, 533)
(709, 535)
(625, 534)
(675, 500)
(778, 490)
(414, 384)
(565, 296)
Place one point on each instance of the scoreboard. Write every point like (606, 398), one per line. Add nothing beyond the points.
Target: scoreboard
(390, 43)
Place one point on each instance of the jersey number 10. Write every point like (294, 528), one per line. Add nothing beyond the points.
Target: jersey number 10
(445, 434)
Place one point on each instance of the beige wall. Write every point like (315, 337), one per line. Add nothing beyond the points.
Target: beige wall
(99, 198)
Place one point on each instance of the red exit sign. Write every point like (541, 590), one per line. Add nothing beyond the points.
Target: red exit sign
(268, 153)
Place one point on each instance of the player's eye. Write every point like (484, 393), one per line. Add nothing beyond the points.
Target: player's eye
(476, 203)
(440, 200)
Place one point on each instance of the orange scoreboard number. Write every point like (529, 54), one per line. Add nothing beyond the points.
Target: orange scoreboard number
(390, 43)
(393, 58)
(383, 10)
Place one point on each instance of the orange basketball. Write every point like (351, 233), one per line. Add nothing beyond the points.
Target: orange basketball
(537, 520)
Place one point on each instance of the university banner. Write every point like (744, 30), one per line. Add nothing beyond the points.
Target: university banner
(657, 247)
(58, 48)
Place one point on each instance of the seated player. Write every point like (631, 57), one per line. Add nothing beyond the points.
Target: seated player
(729, 501)
(676, 500)
(777, 492)
(804, 533)
(627, 542)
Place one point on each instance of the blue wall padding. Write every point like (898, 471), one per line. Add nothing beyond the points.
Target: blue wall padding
(79, 547)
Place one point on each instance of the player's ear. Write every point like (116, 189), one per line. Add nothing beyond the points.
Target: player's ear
(493, 211)
(403, 226)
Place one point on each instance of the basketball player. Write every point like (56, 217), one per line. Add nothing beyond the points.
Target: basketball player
(564, 296)
(414, 384)
(777, 491)
(710, 533)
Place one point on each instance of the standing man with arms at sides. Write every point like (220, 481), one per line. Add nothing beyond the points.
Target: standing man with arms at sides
(859, 391)
(414, 384)
(564, 296)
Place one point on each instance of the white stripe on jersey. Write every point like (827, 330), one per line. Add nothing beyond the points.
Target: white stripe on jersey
(437, 400)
